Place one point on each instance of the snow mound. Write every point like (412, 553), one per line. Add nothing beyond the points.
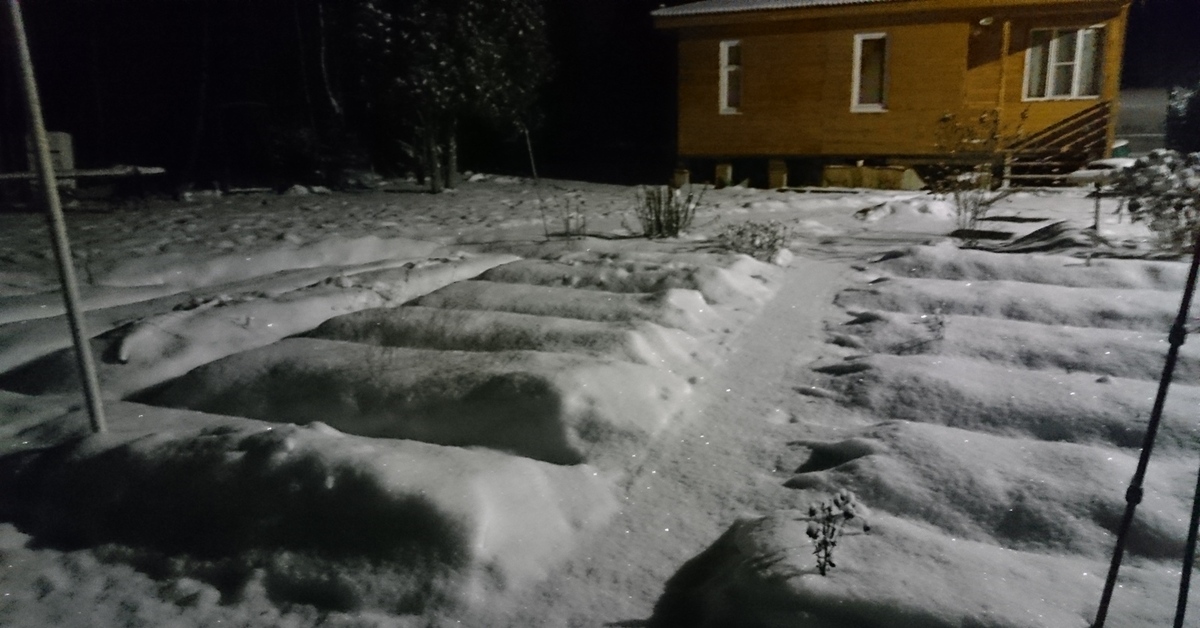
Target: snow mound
(161, 347)
(734, 285)
(681, 309)
(1048, 405)
(26, 340)
(946, 261)
(816, 228)
(1149, 310)
(1113, 352)
(1056, 236)
(927, 208)
(47, 304)
(189, 272)
(761, 573)
(554, 407)
(420, 327)
(1020, 493)
(311, 506)
(19, 412)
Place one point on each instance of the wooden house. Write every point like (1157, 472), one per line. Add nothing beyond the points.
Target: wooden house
(787, 82)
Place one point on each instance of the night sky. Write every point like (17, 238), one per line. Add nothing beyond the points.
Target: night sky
(126, 78)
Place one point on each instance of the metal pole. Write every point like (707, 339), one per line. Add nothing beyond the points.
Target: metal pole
(1133, 496)
(1189, 556)
(58, 229)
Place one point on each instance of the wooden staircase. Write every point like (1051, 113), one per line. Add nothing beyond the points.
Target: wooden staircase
(1045, 157)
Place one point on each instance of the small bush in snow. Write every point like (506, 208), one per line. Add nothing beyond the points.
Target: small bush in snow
(1163, 189)
(571, 214)
(1183, 119)
(826, 521)
(664, 212)
(975, 150)
(758, 239)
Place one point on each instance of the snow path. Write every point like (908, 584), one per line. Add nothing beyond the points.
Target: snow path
(700, 474)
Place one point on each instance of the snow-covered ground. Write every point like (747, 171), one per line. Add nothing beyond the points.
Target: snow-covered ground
(399, 409)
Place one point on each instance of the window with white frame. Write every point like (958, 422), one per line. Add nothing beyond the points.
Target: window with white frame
(731, 76)
(1064, 63)
(869, 87)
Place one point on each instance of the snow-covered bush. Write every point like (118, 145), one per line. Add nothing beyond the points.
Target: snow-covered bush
(664, 212)
(1183, 118)
(826, 521)
(1163, 189)
(757, 239)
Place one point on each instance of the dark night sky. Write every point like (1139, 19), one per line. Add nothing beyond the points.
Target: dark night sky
(124, 77)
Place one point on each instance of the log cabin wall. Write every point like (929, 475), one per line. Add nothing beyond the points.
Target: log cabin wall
(797, 73)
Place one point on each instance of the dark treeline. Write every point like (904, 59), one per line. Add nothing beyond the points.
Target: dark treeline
(281, 91)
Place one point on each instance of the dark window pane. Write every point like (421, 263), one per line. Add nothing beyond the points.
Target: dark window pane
(872, 71)
(733, 94)
(1091, 63)
(1039, 48)
(1062, 80)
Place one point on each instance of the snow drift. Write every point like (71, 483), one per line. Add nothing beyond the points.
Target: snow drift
(555, 407)
(290, 499)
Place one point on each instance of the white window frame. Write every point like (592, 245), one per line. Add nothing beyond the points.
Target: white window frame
(1076, 63)
(856, 74)
(726, 69)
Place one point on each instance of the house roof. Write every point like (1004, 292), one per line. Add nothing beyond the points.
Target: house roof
(736, 6)
(711, 7)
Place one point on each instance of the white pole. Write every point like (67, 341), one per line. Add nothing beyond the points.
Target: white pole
(58, 229)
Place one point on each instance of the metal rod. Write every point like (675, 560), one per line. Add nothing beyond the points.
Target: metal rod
(1189, 555)
(1133, 496)
(58, 229)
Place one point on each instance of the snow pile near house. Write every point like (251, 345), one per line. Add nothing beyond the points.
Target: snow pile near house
(761, 573)
(322, 517)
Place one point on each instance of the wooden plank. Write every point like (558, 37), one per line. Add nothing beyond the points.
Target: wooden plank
(116, 171)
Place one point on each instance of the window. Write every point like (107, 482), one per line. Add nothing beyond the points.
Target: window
(731, 76)
(869, 88)
(1064, 63)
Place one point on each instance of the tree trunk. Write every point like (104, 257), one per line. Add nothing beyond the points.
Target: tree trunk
(202, 99)
(451, 154)
(301, 53)
(323, 49)
(433, 161)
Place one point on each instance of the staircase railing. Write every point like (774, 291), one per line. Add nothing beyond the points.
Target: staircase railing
(1061, 148)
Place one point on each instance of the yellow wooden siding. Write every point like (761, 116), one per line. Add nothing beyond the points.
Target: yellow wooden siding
(984, 46)
(797, 89)
(797, 82)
